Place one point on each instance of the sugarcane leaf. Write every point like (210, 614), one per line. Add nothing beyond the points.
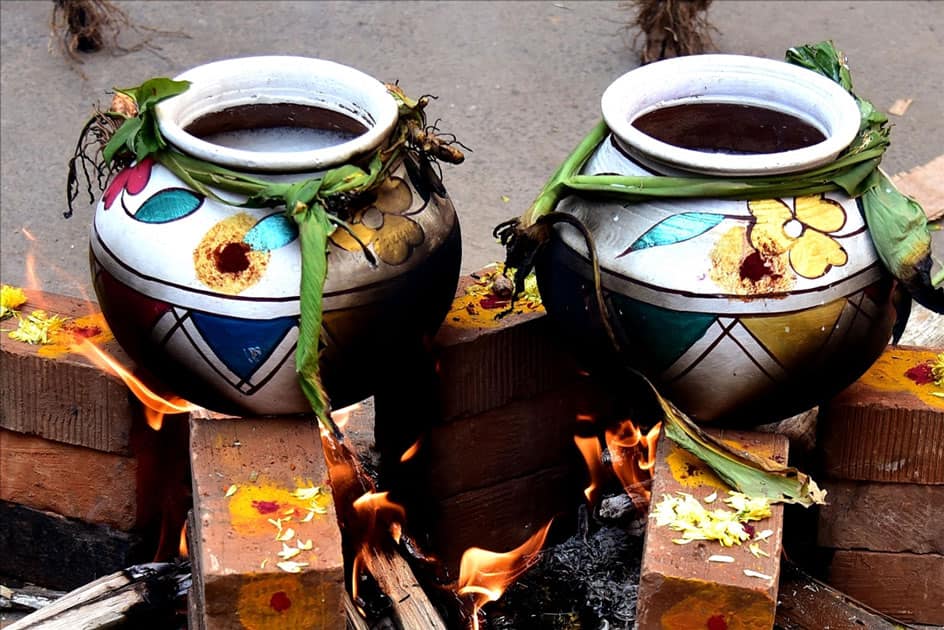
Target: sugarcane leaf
(745, 472)
(898, 227)
(122, 138)
(342, 179)
(675, 229)
(314, 229)
(153, 91)
(823, 58)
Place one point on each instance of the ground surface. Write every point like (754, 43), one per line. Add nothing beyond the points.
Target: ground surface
(519, 82)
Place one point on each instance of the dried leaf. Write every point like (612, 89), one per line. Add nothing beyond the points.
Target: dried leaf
(900, 106)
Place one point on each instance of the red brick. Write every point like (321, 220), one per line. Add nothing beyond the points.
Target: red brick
(904, 585)
(886, 426)
(236, 578)
(679, 587)
(484, 362)
(882, 517)
(58, 395)
(73, 481)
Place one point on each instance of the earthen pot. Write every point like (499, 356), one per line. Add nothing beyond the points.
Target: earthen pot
(740, 311)
(206, 294)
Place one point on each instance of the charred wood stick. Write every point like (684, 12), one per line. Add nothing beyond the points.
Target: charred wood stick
(392, 572)
(143, 589)
(805, 603)
(28, 597)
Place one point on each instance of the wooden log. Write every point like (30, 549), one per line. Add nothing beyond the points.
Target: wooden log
(59, 395)
(904, 585)
(138, 593)
(28, 596)
(245, 475)
(806, 603)
(882, 517)
(679, 587)
(412, 607)
(886, 426)
(62, 553)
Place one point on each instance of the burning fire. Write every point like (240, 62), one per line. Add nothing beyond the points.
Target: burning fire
(632, 456)
(411, 452)
(182, 546)
(486, 574)
(155, 406)
(377, 513)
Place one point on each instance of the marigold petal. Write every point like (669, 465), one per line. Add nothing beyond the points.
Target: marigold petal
(819, 213)
(815, 253)
(767, 234)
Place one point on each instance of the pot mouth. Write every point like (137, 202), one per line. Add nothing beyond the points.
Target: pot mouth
(730, 79)
(223, 87)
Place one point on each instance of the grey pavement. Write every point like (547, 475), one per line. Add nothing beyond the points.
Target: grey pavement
(519, 82)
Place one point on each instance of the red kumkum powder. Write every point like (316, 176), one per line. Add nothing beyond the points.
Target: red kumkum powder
(921, 374)
(280, 602)
(717, 623)
(265, 507)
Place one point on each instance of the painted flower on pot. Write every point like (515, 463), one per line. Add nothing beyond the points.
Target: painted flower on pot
(133, 179)
(803, 233)
(384, 225)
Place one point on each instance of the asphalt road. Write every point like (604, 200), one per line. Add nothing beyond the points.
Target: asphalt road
(518, 82)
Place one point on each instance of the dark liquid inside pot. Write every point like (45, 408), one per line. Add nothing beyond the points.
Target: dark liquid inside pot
(728, 128)
(276, 127)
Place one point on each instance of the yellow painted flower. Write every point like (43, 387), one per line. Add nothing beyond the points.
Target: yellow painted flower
(802, 232)
(383, 224)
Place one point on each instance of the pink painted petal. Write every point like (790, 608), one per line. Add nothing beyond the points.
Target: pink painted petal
(139, 176)
(115, 188)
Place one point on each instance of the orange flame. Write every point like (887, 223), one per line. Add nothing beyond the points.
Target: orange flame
(373, 508)
(155, 406)
(182, 547)
(633, 456)
(486, 574)
(411, 452)
(592, 454)
(343, 415)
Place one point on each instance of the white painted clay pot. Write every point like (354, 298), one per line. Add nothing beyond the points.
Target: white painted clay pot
(740, 311)
(206, 294)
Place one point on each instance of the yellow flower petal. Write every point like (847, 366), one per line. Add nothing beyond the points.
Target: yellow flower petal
(767, 235)
(820, 214)
(814, 254)
(397, 238)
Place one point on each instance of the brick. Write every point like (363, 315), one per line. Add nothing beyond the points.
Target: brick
(886, 426)
(73, 481)
(502, 516)
(484, 362)
(519, 438)
(234, 546)
(882, 517)
(903, 585)
(678, 587)
(62, 553)
(58, 395)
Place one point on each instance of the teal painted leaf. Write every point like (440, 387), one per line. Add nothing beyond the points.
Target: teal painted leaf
(170, 204)
(271, 232)
(675, 229)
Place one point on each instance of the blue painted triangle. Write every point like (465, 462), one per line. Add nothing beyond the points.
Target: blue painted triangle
(242, 344)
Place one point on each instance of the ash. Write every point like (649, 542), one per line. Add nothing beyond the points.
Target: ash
(587, 582)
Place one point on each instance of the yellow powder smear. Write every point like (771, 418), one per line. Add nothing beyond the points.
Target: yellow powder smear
(92, 327)
(278, 601)
(254, 506)
(888, 374)
(730, 252)
(223, 262)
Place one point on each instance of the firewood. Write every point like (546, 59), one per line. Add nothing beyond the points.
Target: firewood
(391, 571)
(807, 604)
(144, 589)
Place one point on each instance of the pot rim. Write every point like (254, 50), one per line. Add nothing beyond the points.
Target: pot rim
(738, 79)
(273, 79)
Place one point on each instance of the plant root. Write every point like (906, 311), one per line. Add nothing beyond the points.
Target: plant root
(671, 28)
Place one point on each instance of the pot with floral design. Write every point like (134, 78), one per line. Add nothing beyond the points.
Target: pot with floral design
(743, 311)
(204, 292)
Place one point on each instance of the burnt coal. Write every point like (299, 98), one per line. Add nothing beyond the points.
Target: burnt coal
(586, 582)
